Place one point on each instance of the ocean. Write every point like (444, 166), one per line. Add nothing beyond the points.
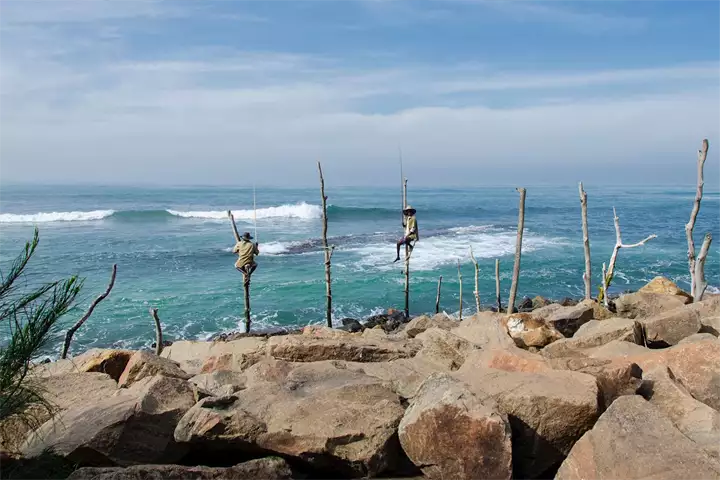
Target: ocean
(173, 250)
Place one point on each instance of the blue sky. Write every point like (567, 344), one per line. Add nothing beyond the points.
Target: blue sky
(475, 91)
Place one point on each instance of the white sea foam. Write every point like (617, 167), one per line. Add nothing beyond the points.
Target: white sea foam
(270, 248)
(302, 210)
(44, 217)
(432, 252)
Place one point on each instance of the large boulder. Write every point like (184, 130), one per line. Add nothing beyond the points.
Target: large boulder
(205, 357)
(418, 325)
(594, 334)
(271, 468)
(711, 325)
(695, 365)
(528, 331)
(306, 348)
(404, 376)
(331, 418)
(699, 337)
(548, 412)
(444, 349)
(484, 329)
(664, 286)
(222, 382)
(61, 392)
(509, 359)
(617, 348)
(634, 440)
(134, 426)
(642, 305)
(144, 364)
(102, 360)
(567, 320)
(668, 328)
(694, 419)
(449, 433)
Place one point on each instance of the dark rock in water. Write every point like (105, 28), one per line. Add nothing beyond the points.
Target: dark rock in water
(166, 343)
(526, 304)
(351, 325)
(539, 302)
(388, 321)
(568, 302)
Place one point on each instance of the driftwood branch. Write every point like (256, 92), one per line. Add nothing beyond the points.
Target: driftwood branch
(608, 275)
(497, 285)
(234, 227)
(328, 250)
(437, 299)
(477, 288)
(697, 268)
(100, 298)
(587, 276)
(604, 295)
(158, 332)
(460, 281)
(518, 251)
(700, 282)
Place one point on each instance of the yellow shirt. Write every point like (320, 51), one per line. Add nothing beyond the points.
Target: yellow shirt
(246, 251)
(411, 228)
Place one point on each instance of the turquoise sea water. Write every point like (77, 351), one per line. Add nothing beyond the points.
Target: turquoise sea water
(172, 247)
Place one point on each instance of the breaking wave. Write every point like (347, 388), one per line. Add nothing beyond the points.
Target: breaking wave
(44, 217)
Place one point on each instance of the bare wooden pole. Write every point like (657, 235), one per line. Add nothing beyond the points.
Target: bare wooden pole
(437, 299)
(477, 287)
(608, 275)
(460, 281)
(497, 284)
(407, 256)
(697, 267)
(234, 227)
(328, 251)
(100, 298)
(518, 251)
(158, 331)
(604, 296)
(586, 242)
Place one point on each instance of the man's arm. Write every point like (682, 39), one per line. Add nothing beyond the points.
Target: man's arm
(256, 249)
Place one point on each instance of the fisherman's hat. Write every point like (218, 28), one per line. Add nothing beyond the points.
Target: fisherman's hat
(247, 236)
(409, 210)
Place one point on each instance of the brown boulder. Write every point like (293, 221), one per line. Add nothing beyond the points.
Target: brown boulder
(449, 433)
(134, 426)
(271, 468)
(528, 331)
(567, 320)
(109, 361)
(669, 328)
(484, 329)
(539, 302)
(548, 412)
(643, 305)
(144, 364)
(694, 419)
(594, 334)
(328, 417)
(61, 392)
(418, 325)
(443, 349)
(710, 325)
(664, 286)
(634, 440)
(617, 348)
(404, 376)
(197, 357)
(301, 348)
(512, 359)
(219, 383)
(699, 337)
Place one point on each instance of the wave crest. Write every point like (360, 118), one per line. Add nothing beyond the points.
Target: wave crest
(44, 217)
(301, 210)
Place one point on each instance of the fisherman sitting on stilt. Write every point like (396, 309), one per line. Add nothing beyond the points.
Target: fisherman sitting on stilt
(411, 231)
(246, 251)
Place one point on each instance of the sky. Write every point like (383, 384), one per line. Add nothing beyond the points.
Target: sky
(472, 92)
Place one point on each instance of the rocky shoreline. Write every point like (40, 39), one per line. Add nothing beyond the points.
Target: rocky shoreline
(566, 390)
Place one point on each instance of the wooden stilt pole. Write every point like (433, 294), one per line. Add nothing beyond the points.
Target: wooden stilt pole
(437, 299)
(497, 284)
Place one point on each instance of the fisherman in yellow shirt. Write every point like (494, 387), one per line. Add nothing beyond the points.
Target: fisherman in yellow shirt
(411, 231)
(246, 251)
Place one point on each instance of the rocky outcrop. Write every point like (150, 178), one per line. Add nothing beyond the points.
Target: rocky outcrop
(134, 426)
(328, 417)
(634, 440)
(206, 357)
(694, 419)
(669, 328)
(271, 468)
(418, 325)
(443, 349)
(309, 348)
(449, 433)
(664, 286)
(144, 364)
(643, 305)
(548, 412)
(61, 392)
(100, 360)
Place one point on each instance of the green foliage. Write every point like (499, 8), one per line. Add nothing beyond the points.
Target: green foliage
(27, 316)
(601, 291)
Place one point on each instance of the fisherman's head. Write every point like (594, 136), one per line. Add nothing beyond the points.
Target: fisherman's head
(409, 210)
(247, 236)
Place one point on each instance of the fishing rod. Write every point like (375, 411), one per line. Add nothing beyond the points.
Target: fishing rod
(255, 214)
(402, 186)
